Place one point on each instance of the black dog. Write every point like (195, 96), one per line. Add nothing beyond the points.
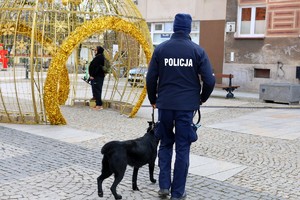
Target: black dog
(136, 153)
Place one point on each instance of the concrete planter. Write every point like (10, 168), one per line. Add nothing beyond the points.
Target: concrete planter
(280, 93)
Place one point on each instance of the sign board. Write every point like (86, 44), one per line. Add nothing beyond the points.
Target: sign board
(165, 35)
(230, 27)
(115, 49)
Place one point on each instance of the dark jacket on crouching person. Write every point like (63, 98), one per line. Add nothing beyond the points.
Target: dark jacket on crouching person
(96, 66)
(97, 75)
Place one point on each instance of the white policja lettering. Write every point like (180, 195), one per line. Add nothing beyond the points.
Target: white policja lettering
(178, 62)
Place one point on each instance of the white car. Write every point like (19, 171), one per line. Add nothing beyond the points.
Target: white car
(137, 76)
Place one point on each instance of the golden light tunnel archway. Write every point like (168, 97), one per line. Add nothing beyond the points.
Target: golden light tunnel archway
(56, 88)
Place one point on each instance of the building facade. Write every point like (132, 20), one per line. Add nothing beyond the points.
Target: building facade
(258, 41)
(207, 26)
(263, 44)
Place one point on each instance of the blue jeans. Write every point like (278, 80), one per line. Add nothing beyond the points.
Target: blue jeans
(183, 137)
(97, 84)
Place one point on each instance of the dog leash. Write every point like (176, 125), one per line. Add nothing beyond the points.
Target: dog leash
(152, 115)
(197, 124)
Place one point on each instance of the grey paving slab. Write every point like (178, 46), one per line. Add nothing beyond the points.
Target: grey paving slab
(62, 133)
(268, 122)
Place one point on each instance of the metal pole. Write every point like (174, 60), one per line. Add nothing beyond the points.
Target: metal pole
(27, 70)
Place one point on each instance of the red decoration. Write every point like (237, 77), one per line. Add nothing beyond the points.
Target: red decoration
(3, 58)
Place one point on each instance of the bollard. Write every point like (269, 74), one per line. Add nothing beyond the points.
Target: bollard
(26, 72)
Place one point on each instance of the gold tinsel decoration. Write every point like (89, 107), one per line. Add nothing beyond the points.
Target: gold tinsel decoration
(57, 83)
(22, 29)
(75, 2)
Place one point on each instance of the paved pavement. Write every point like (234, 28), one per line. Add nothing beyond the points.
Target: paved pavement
(247, 149)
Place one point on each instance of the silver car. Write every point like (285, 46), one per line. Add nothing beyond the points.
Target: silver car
(137, 76)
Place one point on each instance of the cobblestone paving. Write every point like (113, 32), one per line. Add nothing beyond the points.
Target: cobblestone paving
(35, 167)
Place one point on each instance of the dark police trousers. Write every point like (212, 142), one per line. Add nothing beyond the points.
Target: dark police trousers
(184, 135)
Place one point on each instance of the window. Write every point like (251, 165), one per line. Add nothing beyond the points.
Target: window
(158, 27)
(168, 27)
(162, 31)
(195, 26)
(149, 26)
(160, 37)
(251, 21)
(261, 73)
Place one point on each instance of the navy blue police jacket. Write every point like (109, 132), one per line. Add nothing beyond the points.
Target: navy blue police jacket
(175, 70)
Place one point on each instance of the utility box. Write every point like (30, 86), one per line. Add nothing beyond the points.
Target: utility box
(298, 72)
(280, 93)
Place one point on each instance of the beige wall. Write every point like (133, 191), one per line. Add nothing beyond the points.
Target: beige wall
(165, 10)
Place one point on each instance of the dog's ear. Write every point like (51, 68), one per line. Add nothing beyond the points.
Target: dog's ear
(150, 123)
(151, 126)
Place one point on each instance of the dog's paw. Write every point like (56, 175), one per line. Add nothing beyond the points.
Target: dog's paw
(136, 188)
(153, 180)
(118, 196)
(100, 194)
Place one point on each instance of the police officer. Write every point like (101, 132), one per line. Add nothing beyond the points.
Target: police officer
(173, 86)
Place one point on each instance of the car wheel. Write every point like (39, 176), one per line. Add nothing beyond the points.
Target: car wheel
(133, 84)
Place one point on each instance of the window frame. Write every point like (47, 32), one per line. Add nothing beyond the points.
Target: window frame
(252, 22)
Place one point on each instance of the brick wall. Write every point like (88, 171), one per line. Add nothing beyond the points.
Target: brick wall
(251, 2)
(283, 18)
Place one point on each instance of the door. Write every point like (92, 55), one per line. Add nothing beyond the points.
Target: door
(212, 40)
